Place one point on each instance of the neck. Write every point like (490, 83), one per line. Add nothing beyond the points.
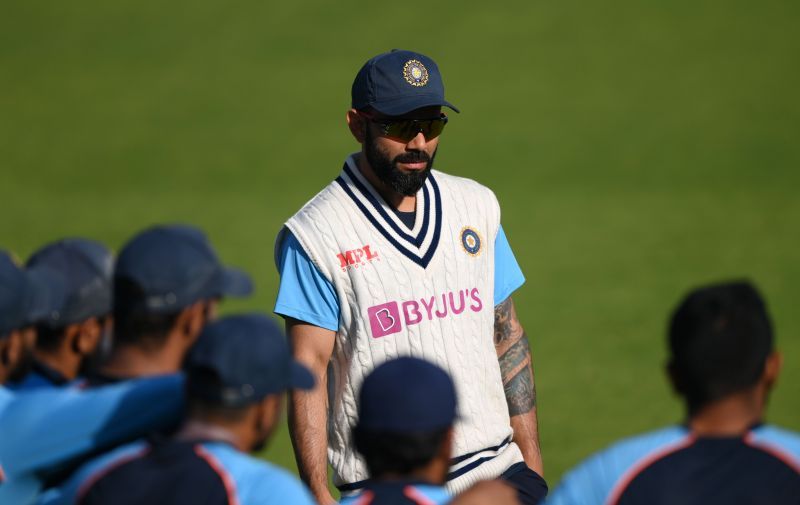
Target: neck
(731, 416)
(132, 361)
(66, 363)
(434, 473)
(401, 202)
(196, 429)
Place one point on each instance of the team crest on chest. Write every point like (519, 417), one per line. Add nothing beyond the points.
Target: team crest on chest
(471, 241)
(415, 73)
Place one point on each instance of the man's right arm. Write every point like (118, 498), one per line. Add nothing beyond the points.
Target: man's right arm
(308, 410)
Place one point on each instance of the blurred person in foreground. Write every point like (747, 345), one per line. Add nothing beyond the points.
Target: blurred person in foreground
(237, 375)
(72, 339)
(406, 417)
(167, 285)
(723, 364)
(44, 430)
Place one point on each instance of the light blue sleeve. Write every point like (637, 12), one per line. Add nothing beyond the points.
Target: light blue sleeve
(433, 495)
(304, 293)
(507, 273)
(44, 429)
(259, 482)
(594, 480)
(67, 493)
(779, 440)
(587, 484)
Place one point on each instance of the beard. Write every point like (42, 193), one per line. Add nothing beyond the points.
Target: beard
(404, 183)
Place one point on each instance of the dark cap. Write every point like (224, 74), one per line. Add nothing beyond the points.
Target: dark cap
(86, 267)
(171, 268)
(240, 359)
(406, 395)
(27, 296)
(398, 82)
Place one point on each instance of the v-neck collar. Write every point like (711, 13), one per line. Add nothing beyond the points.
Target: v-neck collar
(419, 244)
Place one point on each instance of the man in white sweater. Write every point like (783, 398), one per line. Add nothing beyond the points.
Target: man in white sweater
(392, 259)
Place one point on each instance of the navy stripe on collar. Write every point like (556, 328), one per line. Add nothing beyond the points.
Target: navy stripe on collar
(413, 250)
(417, 241)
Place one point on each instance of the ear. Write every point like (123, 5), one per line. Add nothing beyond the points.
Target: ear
(269, 412)
(10, 351)
(190, 322)
(87, 336)
(772, 368)
(674, 377)
(446, 450)
(357, 124)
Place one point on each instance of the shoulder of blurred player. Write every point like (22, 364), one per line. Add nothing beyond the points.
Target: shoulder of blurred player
(495, 492)
(71, 490)
(86, 421)
(593, 480)
(419, 493)
(256, 481)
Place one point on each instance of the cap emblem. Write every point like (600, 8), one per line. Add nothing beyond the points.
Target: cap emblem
(415, 73)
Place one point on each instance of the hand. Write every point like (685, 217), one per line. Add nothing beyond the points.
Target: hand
(326, 498)
(488, 492)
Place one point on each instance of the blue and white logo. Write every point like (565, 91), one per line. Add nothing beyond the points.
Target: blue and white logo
(471, 241)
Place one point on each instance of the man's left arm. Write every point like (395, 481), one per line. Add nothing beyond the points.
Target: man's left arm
(514, 355)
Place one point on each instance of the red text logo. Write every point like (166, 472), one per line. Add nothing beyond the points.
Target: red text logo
(357, 257)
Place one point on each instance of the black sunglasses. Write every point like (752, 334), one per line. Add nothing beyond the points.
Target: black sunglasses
(406, 129)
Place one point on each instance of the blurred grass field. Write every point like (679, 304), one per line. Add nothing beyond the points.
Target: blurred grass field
(637, 149)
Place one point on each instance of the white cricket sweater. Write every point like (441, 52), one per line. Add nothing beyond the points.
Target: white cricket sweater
(426, 292)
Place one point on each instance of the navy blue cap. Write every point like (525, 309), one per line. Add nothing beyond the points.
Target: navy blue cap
(398, 82)
(248, 358)
(86, 267)
(173, 267)
(27, 296)
(407, 395)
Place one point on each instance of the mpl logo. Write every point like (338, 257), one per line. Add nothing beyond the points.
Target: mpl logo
(388, 318)
(357, 257)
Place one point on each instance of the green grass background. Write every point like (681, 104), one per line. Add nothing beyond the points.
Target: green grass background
(638, 148)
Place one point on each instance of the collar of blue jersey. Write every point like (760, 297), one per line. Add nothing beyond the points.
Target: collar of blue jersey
(50, 374)
(420, 244)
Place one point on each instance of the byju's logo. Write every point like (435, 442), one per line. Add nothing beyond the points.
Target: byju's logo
(388, 318)
(384, 319)
(357, 257)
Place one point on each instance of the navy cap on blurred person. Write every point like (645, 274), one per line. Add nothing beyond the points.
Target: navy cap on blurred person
(172, 267)
(86, 267)
(406, 395)
(27, 296)
(398, 82)
(240, 359)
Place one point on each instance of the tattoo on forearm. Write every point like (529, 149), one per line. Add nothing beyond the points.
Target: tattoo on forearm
(514, 354)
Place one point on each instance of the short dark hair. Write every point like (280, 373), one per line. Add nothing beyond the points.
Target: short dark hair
(397, 453)
(134, 325)
(49, 338)
(719, 338)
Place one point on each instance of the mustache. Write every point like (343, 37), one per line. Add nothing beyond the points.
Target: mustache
(413, 157)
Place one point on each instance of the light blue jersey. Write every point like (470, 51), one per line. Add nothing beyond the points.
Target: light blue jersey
(180, 472)
(675, 466)
(305, 294)
(399, 492)
(48, 429)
